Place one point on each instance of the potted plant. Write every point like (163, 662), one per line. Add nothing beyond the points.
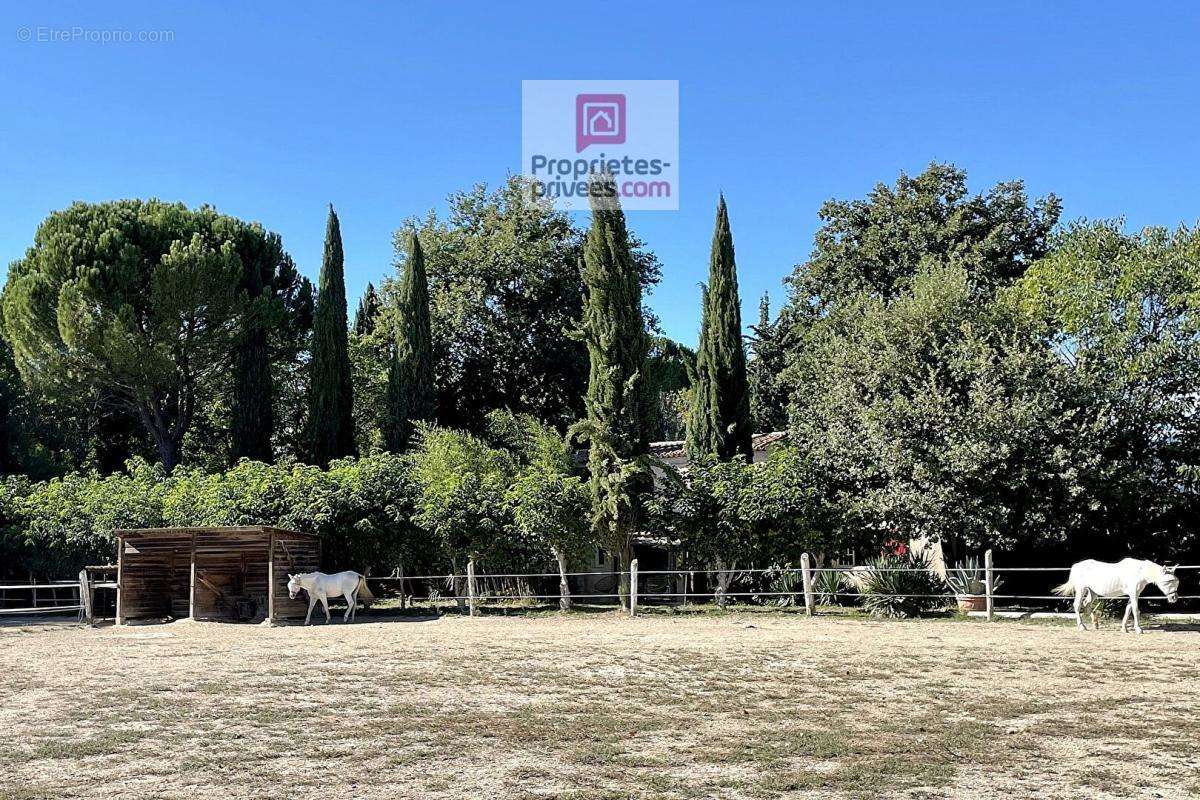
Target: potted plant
(966, 579)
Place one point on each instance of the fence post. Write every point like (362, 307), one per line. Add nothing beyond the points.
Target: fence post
(85, 597)
(810, 601)
(471, 586)
(988, 584)
(633, 588)
(400, 572)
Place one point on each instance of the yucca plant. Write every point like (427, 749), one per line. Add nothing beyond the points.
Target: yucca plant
(783, 586)
(891, 581)
(827, 586)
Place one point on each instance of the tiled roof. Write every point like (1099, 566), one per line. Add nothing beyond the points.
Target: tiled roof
(675, 449)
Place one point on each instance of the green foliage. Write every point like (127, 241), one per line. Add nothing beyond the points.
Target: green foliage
(768, 396)
(368, 311)
(463, 483)
(876, 245)
(670, 368)
(706, 511)
(900, 586)
(617, 401)
(410, 379)
(504, 286)
(275, 325)
(934, 413)
(1121, 312)
(549, 502)
(719, 421)
(331, 393)
(132, 299)
(359, 508)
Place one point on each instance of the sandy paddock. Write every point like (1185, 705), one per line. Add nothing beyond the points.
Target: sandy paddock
(595, 705)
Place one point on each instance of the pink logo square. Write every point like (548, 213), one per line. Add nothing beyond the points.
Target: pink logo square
(599, 119)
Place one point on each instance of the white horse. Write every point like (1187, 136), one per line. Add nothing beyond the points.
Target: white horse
(321, 587)
(1091, 580)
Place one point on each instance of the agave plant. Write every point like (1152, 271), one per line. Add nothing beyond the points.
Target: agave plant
(967, 577)
(901, 586)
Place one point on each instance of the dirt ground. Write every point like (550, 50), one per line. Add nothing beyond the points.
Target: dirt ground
(595, 705)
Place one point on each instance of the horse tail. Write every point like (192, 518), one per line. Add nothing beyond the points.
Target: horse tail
(1065, 589)
(364, 596)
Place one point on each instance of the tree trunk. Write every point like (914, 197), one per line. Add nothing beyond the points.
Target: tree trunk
(564, 590)
(626, 559)
(457, 582)
(724, 577)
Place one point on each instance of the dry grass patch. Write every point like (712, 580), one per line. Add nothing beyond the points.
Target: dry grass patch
(599, 706)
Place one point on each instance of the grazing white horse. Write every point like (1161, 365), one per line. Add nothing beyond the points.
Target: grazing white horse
(1091, 580)
(321, 587)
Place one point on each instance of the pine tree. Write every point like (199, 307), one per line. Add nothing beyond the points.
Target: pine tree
(368, 311)
(410, 380)
(617, 401)
(719, 423)
(331, 397)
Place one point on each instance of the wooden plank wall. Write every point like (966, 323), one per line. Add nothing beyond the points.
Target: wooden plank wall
(230, 567)
(293, 555)
(152, 572)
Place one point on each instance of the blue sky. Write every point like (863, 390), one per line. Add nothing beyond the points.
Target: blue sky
(271, 110)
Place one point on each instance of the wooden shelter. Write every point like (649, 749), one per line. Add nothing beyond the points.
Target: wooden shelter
(234, 573)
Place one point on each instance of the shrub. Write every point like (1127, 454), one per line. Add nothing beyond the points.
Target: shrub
(360, 509)
(901, 586)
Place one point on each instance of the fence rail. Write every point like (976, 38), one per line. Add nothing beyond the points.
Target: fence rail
(807, 590)
(81, 598)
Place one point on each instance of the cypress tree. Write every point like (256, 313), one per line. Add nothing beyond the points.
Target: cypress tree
(617, 400)
(410, 379)
(251, 407)
(719, 422)
(331, 397)
(368, 310)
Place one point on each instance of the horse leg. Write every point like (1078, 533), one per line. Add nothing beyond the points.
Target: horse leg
(1094, 601)
(325, 603)
(1125, 619)
(312, 603)
(1137, 617)
(349, 615)
(1079, 593)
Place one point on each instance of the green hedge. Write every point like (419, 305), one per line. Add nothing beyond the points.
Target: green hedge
(360, 508)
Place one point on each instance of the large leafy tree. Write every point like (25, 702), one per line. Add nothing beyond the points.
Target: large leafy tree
(331, 392)
(933, 414)
(1121, 312)
(411, 396)
(875, 245)
(274, 327)
(134, 299)
(462, 481)
(618, 399)
(719, 423)
(549, 500)
(504, 285)
(928, 408)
